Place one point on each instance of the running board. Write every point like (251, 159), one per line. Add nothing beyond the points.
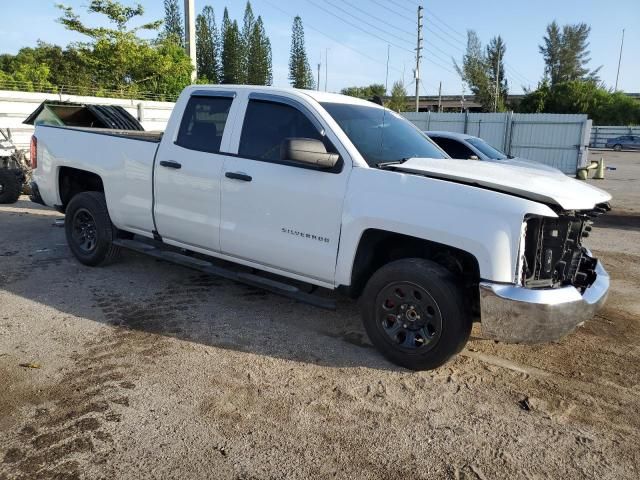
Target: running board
(268, 284)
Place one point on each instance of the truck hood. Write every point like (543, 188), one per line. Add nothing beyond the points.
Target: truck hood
(535, 184)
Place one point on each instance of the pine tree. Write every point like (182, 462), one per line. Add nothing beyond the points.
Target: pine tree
(173, 26)
(398, 100)
(207, 46)
(475, 72)
(565, 53)
(300, 73)
(259, 56)
(226, 23)
(247, 32)
(495, 66)
(231, 54)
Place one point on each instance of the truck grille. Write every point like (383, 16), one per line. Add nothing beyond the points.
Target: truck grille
(554, 255)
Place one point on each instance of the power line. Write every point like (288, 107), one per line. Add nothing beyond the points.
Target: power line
(457, 32)
(367, 23)
(317, 30)
(406, 17)
(383, 20)
(397, 4)
(359, 28)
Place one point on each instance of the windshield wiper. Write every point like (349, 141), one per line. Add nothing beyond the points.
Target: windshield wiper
(383, 165)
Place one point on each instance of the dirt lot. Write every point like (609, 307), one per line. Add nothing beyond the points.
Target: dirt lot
(148, 370)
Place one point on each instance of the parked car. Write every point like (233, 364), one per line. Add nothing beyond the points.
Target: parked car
(624, 142)
(331, 191)
(467, 147)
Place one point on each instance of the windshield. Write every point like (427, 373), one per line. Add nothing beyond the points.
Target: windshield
(381, 135)
(2, 135)
(487, 149)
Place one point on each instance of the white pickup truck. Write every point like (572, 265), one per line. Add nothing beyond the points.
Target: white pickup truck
(296, 190)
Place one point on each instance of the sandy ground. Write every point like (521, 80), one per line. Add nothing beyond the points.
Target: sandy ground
(149, 370)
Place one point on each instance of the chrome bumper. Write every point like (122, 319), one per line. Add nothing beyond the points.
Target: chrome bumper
(520, 315)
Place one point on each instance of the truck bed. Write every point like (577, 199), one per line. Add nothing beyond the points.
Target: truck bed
(153, 136)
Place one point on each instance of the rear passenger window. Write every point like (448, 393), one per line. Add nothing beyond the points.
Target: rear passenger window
(267, 124)
(203, 123)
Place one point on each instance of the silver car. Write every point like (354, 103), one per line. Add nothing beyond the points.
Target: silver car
(463, 146)
(624, 142)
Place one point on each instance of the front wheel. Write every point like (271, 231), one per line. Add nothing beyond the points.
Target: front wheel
(617, 148)
(414, 313)
(89, 230)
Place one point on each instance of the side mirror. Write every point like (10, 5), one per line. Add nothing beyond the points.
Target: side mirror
(474, 157)
(308, 151)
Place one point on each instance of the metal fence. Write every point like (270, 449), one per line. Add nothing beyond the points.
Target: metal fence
(553, 139)
(601, 133)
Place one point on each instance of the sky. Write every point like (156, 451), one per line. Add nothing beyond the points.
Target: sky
(350, 38)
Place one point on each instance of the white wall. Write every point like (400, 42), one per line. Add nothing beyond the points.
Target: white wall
(15, 107)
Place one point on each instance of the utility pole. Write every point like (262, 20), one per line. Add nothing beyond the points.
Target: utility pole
(619, 60)
(318, 85)
(190, 35)
(440, 97)
(495, 97)
(386, 78)
(418, 57)
(326, 67)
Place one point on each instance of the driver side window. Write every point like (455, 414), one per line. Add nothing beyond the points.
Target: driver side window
(454, 148)
(267, 124)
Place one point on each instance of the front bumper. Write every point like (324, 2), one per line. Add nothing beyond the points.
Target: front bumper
(520, 315)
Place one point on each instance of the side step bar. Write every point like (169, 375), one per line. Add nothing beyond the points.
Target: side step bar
(268, 284)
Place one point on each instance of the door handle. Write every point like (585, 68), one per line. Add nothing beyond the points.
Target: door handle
(238, 176)
(170, 164)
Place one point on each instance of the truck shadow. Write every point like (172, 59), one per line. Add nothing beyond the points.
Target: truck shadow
(143, 294)
(620, 220)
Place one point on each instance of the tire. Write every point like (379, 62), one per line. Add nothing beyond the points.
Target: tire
(90, 233)
(425, 297)
(617, 148)
(10, 185)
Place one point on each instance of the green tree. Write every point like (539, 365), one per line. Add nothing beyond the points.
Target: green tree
(259, 56)
(367, 92)
(475, 71)
(300, 74)
(565, 53)
(116, 59)
(173, 26)
(583, 96)
(398, 100)
(249, 22)
(231, 53)
(496, 50)
(207, 46)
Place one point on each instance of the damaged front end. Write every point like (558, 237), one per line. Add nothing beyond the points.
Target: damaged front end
(553, 251)
(559, 284)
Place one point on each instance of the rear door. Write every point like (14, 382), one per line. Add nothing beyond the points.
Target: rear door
(274, 212)
(188, 169)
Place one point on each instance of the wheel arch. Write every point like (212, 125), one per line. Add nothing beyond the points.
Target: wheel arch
(72, 181)
(379, 247)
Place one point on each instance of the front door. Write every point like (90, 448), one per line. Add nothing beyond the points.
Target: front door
(275, 212)
(187, 174)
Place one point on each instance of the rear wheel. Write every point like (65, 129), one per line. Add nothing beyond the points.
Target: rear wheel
(617, 147)
(413, 311)
(89, 230)
(10, 185)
